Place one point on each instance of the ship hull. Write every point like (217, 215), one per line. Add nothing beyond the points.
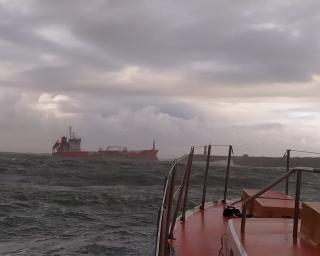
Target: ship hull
(149, 154)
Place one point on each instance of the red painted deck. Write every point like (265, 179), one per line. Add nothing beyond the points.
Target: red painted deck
(272, 236)
(201, 234)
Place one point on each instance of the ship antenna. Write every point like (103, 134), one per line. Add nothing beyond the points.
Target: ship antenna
(154, 144)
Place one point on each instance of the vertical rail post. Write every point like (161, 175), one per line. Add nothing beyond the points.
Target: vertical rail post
(227, 175)
(205, 178)
(288, 168)
(157, 247)
(296, 208)
(186, 187)
(165, 183)
(162, 222)
(259, 193)
(181, 188)
(243, 217)
(163, 243)
(170, 198)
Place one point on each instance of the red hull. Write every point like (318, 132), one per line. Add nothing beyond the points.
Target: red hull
(149, 154)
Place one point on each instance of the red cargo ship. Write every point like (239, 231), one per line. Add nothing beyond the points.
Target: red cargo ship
(71, 148)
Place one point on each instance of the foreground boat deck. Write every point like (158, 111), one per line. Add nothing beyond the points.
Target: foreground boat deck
(202, 231)
(267, 236)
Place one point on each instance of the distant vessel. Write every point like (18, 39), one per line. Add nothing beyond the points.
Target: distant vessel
(71, 148)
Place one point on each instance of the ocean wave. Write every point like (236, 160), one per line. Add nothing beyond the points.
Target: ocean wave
(62, 207)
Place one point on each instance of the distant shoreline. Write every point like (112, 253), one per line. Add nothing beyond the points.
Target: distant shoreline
(262, 161)
(245, 160)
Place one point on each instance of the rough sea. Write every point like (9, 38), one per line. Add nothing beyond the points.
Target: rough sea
(57, 207)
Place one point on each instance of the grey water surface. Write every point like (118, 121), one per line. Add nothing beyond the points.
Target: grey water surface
(57, 207)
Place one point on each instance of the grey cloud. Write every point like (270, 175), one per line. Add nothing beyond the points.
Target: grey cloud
(267, 126)
(261, 126)
(261, 56)
(110, 105)
(265, 49)
(146, 35)
(122, 127)
(310, 113)
(169, 36)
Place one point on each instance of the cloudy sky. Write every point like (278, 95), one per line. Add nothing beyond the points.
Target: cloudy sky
(123, 72)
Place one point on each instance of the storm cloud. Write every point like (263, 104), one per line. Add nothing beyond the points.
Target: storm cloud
(194, 72)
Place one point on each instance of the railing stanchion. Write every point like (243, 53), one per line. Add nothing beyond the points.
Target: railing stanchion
(288, 169)
(259, 193)
(296, 208)
(205, 179)
(162, 244)
(170, 198)
(165, 182)
(175, 214)
(186, 188)
(227, 175)
(243, 218)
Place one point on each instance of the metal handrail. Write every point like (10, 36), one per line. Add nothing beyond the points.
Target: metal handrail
(179, 197)
(167, 220)
(186, 183)
(165, 212)
(205, 179)
(288, 168)
(180, 158)
(287, 154)
(227, 175)
(297, 170)
(257, 194)
(168, 214)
